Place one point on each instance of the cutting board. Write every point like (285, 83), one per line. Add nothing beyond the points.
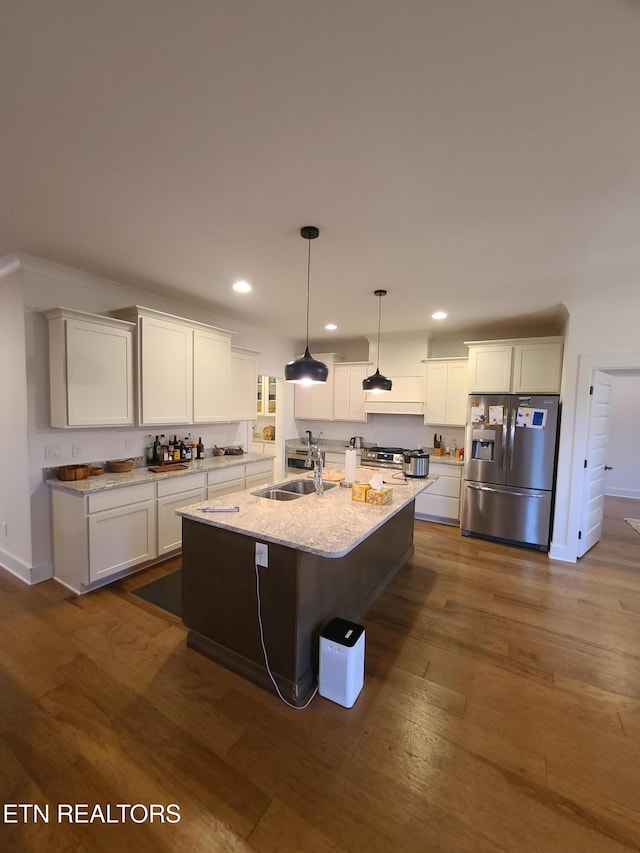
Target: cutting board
(329, 476)
(162, 469)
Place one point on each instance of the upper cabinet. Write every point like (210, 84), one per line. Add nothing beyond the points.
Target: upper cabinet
(265, 402)
(315, 402)
(244, 371)
(446, 389)
(520, 366)
(184, 369)
(90, 369)
(348, 396)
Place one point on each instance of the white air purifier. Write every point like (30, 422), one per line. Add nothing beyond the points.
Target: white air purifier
(341, 670)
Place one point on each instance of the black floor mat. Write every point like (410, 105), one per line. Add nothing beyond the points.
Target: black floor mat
(166, 592)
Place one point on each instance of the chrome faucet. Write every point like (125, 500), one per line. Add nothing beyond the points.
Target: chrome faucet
(314, 454)
(317, 472)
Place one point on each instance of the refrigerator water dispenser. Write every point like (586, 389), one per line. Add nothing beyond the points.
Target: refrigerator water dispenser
(483, 442)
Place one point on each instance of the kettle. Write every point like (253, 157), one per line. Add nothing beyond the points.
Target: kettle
(356, 441)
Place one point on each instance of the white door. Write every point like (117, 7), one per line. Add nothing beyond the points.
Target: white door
(594, 475)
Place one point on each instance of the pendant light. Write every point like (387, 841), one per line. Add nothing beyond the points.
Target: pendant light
(306, 370)
(377, 383)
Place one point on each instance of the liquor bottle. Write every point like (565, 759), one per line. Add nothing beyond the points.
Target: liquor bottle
(157, 450)
(176, 449)
(187, 449)
(149, 450)
(200, 449)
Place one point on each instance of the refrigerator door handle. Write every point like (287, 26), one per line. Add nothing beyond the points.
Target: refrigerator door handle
(503, 491)
(505, 448)
(512, 437)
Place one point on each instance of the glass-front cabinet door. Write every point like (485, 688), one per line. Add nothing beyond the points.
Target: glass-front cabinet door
(266, 395)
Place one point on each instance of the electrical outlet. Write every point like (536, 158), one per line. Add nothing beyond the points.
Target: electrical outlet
(262, 554)
(76, 450)
(52, 451)
(129, 445)
(3, 528)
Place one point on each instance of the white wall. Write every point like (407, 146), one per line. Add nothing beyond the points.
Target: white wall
(624, 436)
(24, 345)
(15, 508)
(601, 334)
(407, 431)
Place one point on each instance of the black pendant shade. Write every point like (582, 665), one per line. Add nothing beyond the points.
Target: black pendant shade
(377, 383)
(307, 370)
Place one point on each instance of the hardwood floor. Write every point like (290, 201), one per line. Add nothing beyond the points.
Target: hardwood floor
(500, 712)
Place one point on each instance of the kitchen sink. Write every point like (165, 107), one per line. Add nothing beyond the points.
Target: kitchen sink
(289, 491)
(276, 495)
(302, 487)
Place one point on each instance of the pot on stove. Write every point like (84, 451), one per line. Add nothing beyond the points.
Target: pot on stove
(415, 463)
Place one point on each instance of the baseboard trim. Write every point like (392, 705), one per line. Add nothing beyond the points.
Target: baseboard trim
(634, 494)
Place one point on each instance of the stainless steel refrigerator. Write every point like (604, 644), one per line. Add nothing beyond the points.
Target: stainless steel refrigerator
(510, 464)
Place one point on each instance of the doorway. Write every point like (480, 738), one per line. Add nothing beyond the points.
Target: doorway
(605, 417)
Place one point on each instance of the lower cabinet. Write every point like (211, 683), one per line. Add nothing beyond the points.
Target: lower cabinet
(98, 536)
(441, 501)
(225, 481)
(258, 473)
(102, 536)
(173, 494)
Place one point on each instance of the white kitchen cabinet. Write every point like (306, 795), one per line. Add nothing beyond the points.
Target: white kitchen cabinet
(441, 501)
(259, 473)
(490, 368)
(244, 372)
(537, 367)
(184, 369)
(266, 396)
(225, 481)
(348, 396)
(211, 376)
(90, 369)
(165, 349)
(446, 390)
(173, 494)
(315, 402)
(96, 537)
(519, 366)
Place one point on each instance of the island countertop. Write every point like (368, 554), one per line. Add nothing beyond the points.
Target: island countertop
(329, 526)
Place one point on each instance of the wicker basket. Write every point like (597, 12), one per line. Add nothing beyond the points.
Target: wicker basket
(120, 466)
(72, 472)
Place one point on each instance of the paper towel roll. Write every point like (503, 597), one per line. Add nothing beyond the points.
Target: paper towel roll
(350, 460)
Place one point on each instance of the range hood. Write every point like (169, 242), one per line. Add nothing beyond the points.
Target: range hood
(402, 357)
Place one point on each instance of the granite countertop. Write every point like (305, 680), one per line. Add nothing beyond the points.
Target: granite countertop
(445, 460)
(330, 525)
(108, 480)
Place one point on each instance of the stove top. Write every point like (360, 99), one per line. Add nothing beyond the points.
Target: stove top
(387, 457)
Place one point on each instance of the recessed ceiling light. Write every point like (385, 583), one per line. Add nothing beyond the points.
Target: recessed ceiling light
(439, 315)
(331, 327)
(242, 287)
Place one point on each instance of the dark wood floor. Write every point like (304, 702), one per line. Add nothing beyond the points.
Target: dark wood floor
(500, 712)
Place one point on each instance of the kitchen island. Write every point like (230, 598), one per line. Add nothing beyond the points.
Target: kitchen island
(327, 556)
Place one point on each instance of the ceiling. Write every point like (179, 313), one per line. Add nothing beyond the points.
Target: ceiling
(480, 158)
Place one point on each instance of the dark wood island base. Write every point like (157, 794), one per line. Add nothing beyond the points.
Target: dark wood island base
(299, 593)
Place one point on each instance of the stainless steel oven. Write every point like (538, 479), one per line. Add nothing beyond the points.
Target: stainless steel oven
(296, 461)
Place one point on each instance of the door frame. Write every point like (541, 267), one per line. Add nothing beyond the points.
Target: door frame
(587, 365)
